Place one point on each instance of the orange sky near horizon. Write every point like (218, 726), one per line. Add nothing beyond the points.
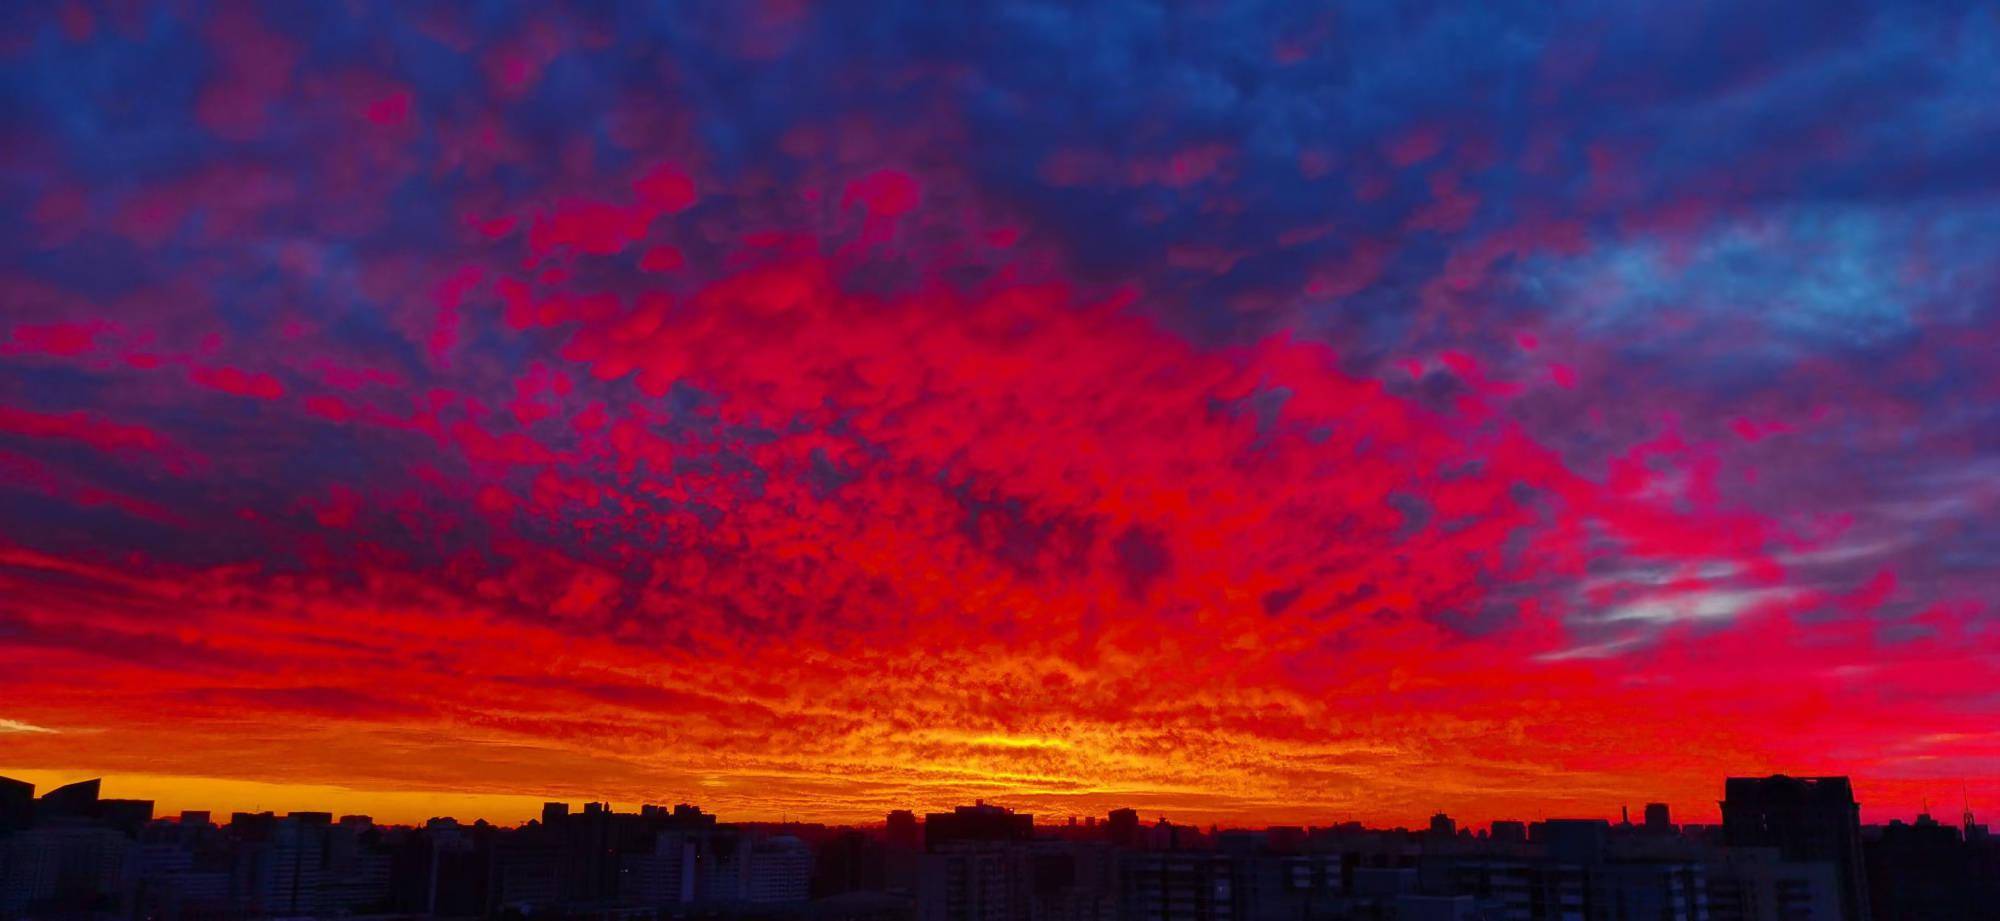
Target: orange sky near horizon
(221, 796)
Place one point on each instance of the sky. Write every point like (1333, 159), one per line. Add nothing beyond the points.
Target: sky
(1243, 412)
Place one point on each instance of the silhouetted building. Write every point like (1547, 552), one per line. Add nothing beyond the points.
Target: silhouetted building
(1757, 884)
(1121, 828)
(1178, 886)
(662, 876)
(181, 873)
(76, 801)
(901, 830)
(1285, 839)
(17, 804)
(1072, 880)
(975, 865)
(973, 880)
(1576, 841)
(1774, 859)
(66, 868)
(1929, 870)
(293, 881)
(126, 815)
(1806, 819)
(1275, 885)
(528, 870)
(251, 825)
(981, 822)
(554, 812)
(1581, 870)
(1658, 820)
(852, 862)
(780, 871)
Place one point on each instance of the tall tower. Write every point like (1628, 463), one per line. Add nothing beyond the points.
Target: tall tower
(1805, 818)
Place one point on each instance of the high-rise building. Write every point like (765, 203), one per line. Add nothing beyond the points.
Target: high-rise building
(126, 815)
(852, 861)
(176, 876)
(1178, 886)
(1072, 880)
(690, 816)
(356, 874)
(1121, 828)
(1576, 841)
(1756, 884)
(1271, 884)
(293, 875)
(77, 800)
(1658, 820)
(780, 870)
(28, 870)
(17, 804)
(528, 871)
(980, 822)
(973, 880)
(902, 831)
(64, 865)
(1805, 819)
(665, 875)
(1930, 870)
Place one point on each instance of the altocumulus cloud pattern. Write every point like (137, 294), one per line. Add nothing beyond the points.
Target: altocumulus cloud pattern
(1231, 408)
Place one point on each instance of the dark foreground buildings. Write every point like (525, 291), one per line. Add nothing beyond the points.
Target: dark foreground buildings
(1806, 820)
(1789, 849)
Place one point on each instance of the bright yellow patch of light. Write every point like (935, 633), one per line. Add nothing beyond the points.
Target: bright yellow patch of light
(1018, 741)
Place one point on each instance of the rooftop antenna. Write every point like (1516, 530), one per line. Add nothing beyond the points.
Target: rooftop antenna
(1967, 797)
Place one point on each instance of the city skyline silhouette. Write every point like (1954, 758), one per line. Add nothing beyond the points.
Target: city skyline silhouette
(1786, 848)
(1246, 412)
